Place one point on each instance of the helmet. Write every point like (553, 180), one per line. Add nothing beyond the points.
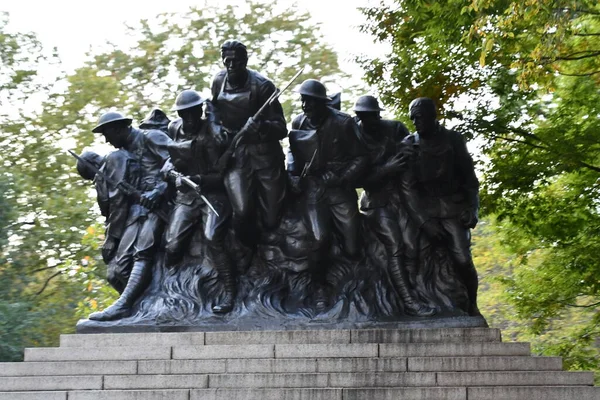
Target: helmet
(367, 104)
(313, 88)
(108, 118)
(156, 119)
(424, 104)
(187, 99)
(84, 169)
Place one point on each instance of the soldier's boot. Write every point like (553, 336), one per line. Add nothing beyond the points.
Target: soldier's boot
(412, 306)
(139, 279)
(226, 273)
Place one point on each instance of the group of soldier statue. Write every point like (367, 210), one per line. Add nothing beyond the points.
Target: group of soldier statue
(217, 178)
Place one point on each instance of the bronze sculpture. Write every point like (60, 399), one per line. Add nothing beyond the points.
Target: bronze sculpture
(325, 161)
(216, 179)
(255, 179)
(150, 149)
(198, 144)
(380, 199)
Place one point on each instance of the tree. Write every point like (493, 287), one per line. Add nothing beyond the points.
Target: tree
(523, 77)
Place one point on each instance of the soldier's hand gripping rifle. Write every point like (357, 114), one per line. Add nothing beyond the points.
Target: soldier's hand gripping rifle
(194, 186)
(126, 187)
(225, 158)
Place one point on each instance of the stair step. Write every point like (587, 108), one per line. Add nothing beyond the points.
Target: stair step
(454, 349)
(533, 393)
(97, 353)
(515, 378)
(33, 395)
(368, 350)
(50, 382)
(444, 335)
(485, 363)
(412, 393)
(68, 368)
(156, 381)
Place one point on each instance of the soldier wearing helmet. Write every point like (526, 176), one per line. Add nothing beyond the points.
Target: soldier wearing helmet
(255, 180)
(198, 144)
(380, 199)
(325, 161)
(114, 204)
(441, 191)
(143, 227)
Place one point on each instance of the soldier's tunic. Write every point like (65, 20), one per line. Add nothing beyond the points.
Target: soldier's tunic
(256, 178)
(338, 150)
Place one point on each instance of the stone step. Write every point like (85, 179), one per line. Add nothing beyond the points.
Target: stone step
(313, 365)
(472, 393)
(96, 354)
(50, 382)
(287, 365)
(412, 393)
(367, 350)
(534, 393)
(68, 368)
(296, 380)
(444, 335)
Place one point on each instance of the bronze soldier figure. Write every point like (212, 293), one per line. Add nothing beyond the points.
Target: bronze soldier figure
(144, 226)
(115, 204)
(255, 179)
(442, 191)
(380, 199)
(325, 161)
(195, 152)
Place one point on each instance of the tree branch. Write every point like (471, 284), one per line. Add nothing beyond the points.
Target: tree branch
(587, 34)
(573, 57)
(586, 74)
(47, 282)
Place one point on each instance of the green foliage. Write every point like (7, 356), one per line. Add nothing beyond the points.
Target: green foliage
(523, 77)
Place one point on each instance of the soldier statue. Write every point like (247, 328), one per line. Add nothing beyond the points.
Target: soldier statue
(441, 191)
(325, 161)
(255, 178)
(145, 219)
(380, 199)
(114, 204)
(198, 144)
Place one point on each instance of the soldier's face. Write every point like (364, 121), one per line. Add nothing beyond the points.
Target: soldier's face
(424, 122)
(191, 118)
(368, 119)
(235, 64)
(116, 134)
(313, 107)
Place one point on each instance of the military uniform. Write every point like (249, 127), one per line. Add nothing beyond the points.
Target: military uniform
(256, 177)
(338, 150)
(441, 187)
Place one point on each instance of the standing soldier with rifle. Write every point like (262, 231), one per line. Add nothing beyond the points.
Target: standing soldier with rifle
(201, 196)
(254, 176)
(150, 150)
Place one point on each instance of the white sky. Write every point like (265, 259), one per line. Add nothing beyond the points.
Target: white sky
(75, 26)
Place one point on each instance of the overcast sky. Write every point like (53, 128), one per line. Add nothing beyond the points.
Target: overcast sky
(75, 26)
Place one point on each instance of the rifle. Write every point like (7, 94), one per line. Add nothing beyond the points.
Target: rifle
(194, 186)
(308, 165)
(126, 187)
(225, 158)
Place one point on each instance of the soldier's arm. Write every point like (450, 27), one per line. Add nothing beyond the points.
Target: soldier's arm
(272, 121)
